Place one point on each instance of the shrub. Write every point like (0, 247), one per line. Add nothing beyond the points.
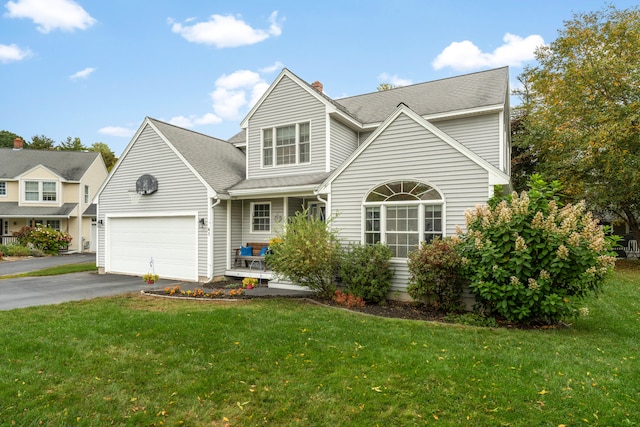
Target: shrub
(367, 272)
(528, 258)
(46, 239)
(433, 270)
(348, 300)
(15, 250)
(307, 252)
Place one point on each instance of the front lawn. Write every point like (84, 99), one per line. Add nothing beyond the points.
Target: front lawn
(138, 360)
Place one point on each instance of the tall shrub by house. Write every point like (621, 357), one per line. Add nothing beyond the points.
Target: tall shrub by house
(529, 258)
(367, 272)
(433, 269)
(307, 252)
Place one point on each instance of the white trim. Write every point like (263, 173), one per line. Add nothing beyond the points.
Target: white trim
(138, 215)
(274, 146)
(40, 181)
(261, 192)
(211, 192)
(251, 211)
(403, 109)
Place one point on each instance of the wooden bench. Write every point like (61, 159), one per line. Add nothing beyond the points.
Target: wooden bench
(249, 260)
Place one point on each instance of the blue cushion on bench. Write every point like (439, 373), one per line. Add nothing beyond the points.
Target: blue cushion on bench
(264, 250)
(246, 250)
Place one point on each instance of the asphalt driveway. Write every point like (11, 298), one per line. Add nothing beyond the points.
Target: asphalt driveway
(32, 291)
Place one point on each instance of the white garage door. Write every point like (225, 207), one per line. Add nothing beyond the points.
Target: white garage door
(171, 241)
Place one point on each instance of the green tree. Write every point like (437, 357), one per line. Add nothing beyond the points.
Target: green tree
(585, 106)
(41, 142)
(108, 156)
(385, 86)
(6, 138)
(307, 252)
(72, 145)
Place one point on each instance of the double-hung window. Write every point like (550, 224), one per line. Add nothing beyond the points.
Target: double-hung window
(86, 194)
(3, 188)
(286, 145)
(40, 191)
(260, 217)
(402, 214)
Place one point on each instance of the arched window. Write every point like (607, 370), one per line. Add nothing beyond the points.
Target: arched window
(402, 214)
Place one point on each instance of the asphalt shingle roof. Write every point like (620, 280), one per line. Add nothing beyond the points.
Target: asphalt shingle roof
(281, 181)
(11, 209)
(70, 165)
(217, 161)
(458, 93)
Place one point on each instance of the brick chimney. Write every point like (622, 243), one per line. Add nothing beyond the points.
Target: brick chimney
(317, 86)
(18, 144)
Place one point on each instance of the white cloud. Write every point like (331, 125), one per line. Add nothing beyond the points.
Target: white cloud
(49, 15)
(193, 121)
(11, 53)
(277, 66)
(117, 131)
(226, 31)
(394, 80)
(465, 55)
(83, 74)
(232, 96)
(236, 92)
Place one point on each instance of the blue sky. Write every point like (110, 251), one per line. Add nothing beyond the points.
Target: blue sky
(94, 69)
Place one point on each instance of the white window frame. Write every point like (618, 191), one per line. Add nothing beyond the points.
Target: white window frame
(41, 191)
(273, 148)
(46, 223)
(383, 206)
(3, 188)
(268, 218)
(86, 194)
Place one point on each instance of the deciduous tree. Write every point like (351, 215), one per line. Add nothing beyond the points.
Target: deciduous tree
(586, 105)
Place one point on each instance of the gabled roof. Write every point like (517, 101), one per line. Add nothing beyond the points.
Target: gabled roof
(69, 165)
(217, 161)
(459, 95)
(454, 94)
(496, 176)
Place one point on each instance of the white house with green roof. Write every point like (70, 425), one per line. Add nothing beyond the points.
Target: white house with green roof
(398, 166)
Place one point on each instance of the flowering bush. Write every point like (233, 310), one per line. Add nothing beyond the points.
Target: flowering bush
(46, 239)
(528, 258)
(367, 272)
(433, 270)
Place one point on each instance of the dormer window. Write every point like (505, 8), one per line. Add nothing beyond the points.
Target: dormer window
(286, 145)
(40, 191)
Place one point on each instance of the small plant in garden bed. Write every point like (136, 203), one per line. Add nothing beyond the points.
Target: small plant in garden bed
(348, 300)
(249, 282)
(200, 293)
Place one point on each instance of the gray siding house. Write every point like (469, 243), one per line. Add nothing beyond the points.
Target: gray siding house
(398, 166)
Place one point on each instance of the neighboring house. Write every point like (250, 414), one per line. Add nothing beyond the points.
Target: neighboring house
(398, 166)
(51, 188)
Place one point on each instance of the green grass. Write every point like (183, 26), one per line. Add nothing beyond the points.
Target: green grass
(136, 360)
(52, 271)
